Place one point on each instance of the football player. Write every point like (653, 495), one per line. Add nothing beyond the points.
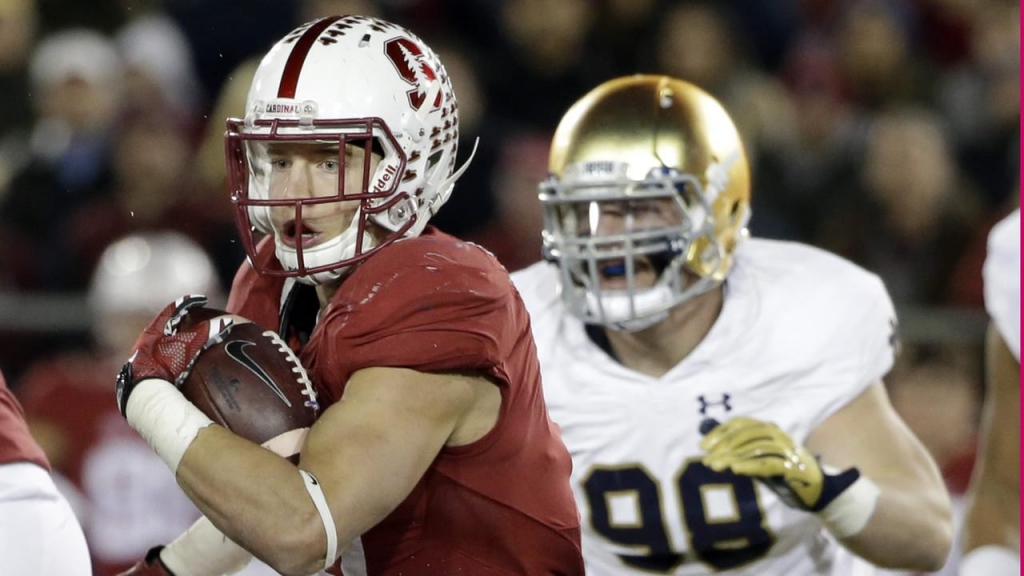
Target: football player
(39, 533)
(434, 453)
(722, 399)
(992, 525)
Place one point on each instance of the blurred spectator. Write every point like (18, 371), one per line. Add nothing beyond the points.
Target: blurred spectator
(981, 98)
(102, 15)
(225, 33)
(514, 235)
(159, 75)
(622, 26)
(876, 48)
(543, 57)
(471, 207)
(153, 188)
(697, 42)
(818, 163)
(131, 501)
(211, 180)
(313, 9)
(209, 159)
(914, 213)
(948, 422)
(17, 35)
(75, 78)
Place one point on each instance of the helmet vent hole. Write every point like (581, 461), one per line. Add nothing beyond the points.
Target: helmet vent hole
(434, 158)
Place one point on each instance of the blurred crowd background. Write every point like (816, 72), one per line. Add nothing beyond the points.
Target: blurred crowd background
(884, 130)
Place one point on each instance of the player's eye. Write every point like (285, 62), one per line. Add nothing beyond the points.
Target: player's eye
(644, 207)
(330, 165)
(280, 164)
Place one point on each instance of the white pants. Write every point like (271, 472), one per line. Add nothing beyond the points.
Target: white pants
(39, 534)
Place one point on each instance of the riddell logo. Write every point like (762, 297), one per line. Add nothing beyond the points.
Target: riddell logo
(412, 66)
(385, 178)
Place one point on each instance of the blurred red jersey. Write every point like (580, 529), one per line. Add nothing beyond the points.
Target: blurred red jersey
(501, 505)
(132, 501)
(16, 444)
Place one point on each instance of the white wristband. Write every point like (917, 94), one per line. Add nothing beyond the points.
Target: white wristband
(317, 494)
(990, 561)
(162, 415)
(849, 513)
(204, 551)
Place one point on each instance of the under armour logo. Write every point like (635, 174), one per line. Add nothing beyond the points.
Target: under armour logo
(705, 404)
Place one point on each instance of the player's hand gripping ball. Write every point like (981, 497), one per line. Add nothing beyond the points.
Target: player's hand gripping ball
(239, 374)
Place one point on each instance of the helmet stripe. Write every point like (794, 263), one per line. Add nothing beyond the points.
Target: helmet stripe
(297, 57)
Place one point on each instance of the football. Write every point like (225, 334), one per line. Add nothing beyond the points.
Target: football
(253, 384)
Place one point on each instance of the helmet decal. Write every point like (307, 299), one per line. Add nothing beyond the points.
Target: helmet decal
(414, 68)
(303, 40)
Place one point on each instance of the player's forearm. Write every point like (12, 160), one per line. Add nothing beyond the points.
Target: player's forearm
(256, 498)
(910, 529)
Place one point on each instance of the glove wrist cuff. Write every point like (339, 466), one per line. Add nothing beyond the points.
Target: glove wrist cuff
(847, 503)
(162, 415)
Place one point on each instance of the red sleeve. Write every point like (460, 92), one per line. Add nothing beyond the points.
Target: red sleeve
(432, 303)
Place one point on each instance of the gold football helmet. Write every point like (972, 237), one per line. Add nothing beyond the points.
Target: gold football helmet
(633, 147)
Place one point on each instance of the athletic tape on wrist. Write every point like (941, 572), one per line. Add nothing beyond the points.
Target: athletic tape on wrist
(851, 510)
(990, 561)
(204, 551)
(162, 415)
(317, 494)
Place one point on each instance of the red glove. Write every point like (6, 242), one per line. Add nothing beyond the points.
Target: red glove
(150, 566)
(166, 350)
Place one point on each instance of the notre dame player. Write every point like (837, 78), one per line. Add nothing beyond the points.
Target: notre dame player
(657, 317)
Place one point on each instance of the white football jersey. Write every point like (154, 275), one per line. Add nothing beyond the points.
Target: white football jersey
(801, 333)
(1002, 279)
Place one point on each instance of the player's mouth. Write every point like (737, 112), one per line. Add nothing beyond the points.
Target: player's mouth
(290, 235)
(612, 273)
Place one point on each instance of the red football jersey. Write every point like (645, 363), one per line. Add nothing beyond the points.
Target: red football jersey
(16, 444)
(501, 505)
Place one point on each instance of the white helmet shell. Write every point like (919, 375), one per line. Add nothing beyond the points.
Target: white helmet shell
(349, 79)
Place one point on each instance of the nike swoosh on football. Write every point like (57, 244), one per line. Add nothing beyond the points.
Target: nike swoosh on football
(236, 350)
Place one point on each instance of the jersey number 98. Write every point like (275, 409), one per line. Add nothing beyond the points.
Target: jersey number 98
(722, 543)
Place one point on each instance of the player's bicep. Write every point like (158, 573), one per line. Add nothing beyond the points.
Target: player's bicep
(371, 448)
(869, 434)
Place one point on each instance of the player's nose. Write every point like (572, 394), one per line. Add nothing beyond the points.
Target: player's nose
(299, 183)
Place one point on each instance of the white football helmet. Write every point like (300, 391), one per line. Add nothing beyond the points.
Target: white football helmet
(140, 274)
(347, 80)
(633, 141)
